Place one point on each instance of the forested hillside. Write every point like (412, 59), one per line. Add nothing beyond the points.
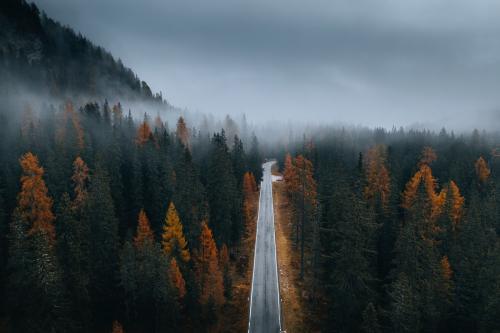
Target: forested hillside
(39, 55)
(106, 219)
(399, 229)
(108, 223)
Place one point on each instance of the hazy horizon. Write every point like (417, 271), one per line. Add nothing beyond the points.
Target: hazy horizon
(431, 63)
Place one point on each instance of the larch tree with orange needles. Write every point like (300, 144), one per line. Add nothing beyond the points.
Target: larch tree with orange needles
(173, 241)
(482, 170)
(145, 276)
(144, 234)
(456, 204)
(34, 205)
(417, 253)
(306, 201)
(424, 176)
(290, 175)
(144, 133)
(377, 176)
(182, 133)
(208, 273)
(117, 327)
(34, 268)
(249, 189)
(176, 279)
(69, 128)
(80, 180)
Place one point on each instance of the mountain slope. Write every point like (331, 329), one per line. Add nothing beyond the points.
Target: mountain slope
(39, 53)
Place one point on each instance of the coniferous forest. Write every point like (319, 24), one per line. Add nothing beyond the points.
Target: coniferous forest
(122, 213)
(401, 229)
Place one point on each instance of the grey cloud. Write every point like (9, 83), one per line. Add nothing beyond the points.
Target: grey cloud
(366, 62)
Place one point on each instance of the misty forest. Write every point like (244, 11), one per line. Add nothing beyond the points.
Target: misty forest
(121, 212)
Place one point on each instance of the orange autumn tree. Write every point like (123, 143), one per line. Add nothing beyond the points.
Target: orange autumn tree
(224, 257)
(80, 179)
(456, 204)
(249, 189)
(424, 176)
(428, 156)
(377, 176)
(208, 273)
(117, 114)
(290, 176)
(173, 241)
(177, 279)
(144, 234)
(143, 133)
(117, 327)
(34, 205)
(305, 201)
(482, 170)
(446, 276)
(159, 123)
(249, 184)
(182, 133)
(70, 121)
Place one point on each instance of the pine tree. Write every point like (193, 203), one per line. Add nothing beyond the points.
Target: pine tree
(238, 158)
(255, 159)
(224, 199)
(370, 320)
(348, 236)
(73, 253)
(404, 312)
(188, 195)
(99, 215)
(146, 280)
(173, 241)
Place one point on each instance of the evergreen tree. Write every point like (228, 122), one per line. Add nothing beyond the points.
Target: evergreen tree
(144, 275)
(223, 197)
(349, 243)
(370, 320)
(98, 213)
(255, 159)
(73, 253)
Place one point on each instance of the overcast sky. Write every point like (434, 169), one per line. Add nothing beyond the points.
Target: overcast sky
(370, 62)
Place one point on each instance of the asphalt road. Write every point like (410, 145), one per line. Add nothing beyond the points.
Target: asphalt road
(265, 299)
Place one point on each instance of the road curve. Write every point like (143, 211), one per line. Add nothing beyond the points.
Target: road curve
(265, 315)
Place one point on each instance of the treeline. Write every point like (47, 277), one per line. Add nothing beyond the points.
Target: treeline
(40, 54)
(401, 229)
(106, 220)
